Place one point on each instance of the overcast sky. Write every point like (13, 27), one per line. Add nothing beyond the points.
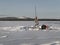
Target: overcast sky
(45, 8)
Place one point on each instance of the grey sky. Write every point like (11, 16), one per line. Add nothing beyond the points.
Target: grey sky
(45, 8)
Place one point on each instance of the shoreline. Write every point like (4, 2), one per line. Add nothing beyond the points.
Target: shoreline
(14, 19)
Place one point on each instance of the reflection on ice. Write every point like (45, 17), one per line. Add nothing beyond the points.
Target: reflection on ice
(25, 44)
(53, 43)
(46, 44)
(56, 43)
(10, 28)
(4, 36)
(29, 44)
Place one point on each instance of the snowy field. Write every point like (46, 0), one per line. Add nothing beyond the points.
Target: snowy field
(10, 36)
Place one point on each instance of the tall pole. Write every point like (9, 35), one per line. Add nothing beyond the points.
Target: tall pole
(36, 19)
(35, 11)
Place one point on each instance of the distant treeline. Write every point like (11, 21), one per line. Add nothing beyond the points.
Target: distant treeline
(28, 19)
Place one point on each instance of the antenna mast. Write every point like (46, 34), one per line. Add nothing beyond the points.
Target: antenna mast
(35, 11)
(36, 19)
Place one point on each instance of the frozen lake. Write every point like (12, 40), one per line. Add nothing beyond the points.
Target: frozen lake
(28, 37)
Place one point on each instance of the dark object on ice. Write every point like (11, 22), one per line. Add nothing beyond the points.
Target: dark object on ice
(43, 26)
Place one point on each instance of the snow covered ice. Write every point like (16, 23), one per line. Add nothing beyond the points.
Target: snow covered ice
(10, 34)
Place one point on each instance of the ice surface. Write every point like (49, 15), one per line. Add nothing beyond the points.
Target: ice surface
(10, 36)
